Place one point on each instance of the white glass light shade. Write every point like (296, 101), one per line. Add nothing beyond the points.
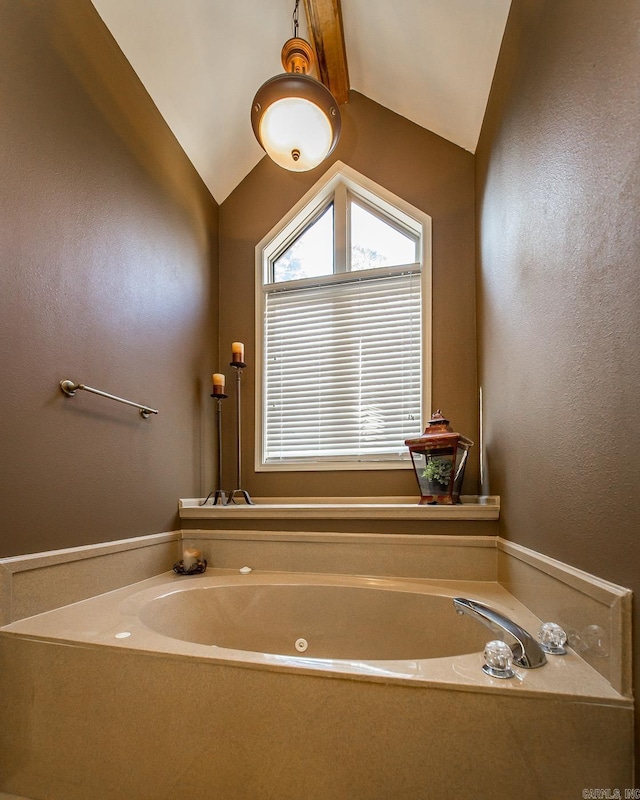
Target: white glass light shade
(295, 133)
(296, 120)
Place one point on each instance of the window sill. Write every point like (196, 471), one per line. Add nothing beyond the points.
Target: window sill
(472, 508)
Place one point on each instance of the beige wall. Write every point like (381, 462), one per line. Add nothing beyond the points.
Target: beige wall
(108, 270)
(558, 199)
(433, 175)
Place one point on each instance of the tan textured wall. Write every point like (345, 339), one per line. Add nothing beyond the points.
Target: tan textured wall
(427, 171)
(559, 321)
(108, 270)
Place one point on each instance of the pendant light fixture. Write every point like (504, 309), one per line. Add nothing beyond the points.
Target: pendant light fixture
(295, 118)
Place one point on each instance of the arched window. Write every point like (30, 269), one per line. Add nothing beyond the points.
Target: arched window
(343, 329)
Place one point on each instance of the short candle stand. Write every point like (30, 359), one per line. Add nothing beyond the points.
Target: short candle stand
(218, 494)
(239, 366)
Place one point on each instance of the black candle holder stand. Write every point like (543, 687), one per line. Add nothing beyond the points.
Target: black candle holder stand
(218, 493)
(239, 492)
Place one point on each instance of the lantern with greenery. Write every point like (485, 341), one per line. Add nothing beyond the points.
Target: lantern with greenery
(439, 457)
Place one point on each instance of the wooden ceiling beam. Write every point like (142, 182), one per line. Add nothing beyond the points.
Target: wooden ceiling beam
(324, 18)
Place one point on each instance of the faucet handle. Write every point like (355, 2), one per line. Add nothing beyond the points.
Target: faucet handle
(552, 639)
(498, 657)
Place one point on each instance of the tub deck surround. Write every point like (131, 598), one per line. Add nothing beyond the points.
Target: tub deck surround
(595, 613)
(580, 602)
(111, 724)
(370, 554)
(117, 620)
(343, 508)
(285, 724)
(37, 582)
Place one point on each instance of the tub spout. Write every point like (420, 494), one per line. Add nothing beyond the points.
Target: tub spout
(526, 651)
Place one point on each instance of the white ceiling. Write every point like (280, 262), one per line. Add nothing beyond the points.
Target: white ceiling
(202, 61)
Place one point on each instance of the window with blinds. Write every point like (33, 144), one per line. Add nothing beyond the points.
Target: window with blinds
(342, 337)
(342, 369)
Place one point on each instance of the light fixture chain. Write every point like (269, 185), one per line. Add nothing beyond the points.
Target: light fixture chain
(295, 20)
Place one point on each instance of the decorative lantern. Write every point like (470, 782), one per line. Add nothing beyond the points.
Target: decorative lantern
(439, 457)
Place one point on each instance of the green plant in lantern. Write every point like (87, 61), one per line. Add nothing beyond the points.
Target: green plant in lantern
(438, 470)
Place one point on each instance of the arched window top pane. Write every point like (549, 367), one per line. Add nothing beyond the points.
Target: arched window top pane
(376, 243)
(311, 254)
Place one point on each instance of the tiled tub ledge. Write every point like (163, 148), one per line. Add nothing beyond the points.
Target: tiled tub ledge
(346, 508)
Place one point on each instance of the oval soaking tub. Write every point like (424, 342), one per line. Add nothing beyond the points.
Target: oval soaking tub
(338, 618)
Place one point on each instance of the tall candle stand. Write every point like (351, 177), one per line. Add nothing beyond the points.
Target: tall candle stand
(218, 493)
(239, 366)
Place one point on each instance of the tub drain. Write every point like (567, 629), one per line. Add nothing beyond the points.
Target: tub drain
(301, 645)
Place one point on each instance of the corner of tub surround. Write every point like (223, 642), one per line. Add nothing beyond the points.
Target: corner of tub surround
(37, 582)
(595, 613)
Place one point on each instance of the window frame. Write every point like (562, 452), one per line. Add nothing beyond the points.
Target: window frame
(343, 182)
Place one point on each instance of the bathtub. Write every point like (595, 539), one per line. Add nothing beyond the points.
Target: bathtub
(405, 629)
(328, 618)
(281, 685)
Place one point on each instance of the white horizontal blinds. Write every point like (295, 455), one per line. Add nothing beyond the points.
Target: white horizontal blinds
(342, 369)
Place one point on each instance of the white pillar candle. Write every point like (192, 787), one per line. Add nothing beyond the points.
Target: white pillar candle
(190, 556)
(218, 383)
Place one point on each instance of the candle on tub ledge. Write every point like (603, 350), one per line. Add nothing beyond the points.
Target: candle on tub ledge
(192, 562)
(219, 381)
(237, 353)
(190, 557)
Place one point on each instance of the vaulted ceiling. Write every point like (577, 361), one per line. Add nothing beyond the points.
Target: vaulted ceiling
(202, 61)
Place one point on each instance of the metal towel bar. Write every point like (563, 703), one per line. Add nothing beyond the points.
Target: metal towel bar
(70, 388)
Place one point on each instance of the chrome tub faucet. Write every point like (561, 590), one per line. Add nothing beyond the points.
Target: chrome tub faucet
(527, 653)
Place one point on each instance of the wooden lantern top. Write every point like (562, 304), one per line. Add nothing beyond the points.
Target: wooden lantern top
(438, 434)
